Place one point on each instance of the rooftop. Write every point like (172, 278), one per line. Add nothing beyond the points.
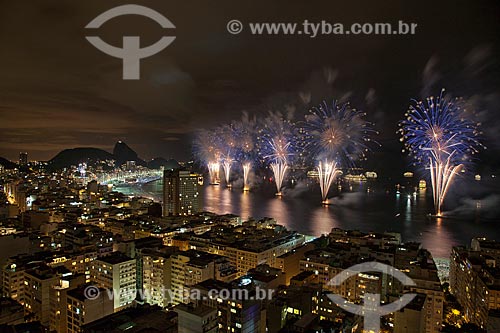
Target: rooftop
(200, 310)
(115, 258)
(80, 294)
(144, 318)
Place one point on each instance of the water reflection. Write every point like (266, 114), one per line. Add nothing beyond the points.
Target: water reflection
(245, 200)
(322, 220)
(377, 211)
(279, 210)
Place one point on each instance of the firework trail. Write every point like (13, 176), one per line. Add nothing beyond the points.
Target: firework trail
(277, 142)
(226, 165)
(338, 135)
(213, 170)
(208, 150)
(279, 170)
(246, 171)
(228, 134)
(440, 135)
(327, 172)
(245, 137)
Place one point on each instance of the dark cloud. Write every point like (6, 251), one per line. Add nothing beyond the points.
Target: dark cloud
(57, 91)
(478, 59)
(430, 77)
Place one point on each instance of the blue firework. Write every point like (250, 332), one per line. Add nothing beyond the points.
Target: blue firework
(207, 146)
(338, 132)
(438, 129)
(245, 132)
(440, 135)
(277, 139)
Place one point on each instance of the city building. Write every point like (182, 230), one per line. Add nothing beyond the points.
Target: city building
(38, 284)
(117, 274)
(139, 319)
(13, 280)
(326, 263)
(411, 319)
(11, 312)
(418, 264)
(156, 277)
(289, 263)
(239, 307)
(475, 280)
(189, 268)
(267, 277)
(181, 194)
(200, 318)
(246, 246)
(59, 302)
(82, 310)
(23, 159)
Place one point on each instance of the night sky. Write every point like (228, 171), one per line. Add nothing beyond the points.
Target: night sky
(57, 91)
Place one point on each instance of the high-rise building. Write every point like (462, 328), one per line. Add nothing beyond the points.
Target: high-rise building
(82, 310)
(38, 287)
(189, 268)
(411, 319)
(58, 301)
(418, 264)
(156, 277)
(475, 280)
(13, 281)
(23, 159)
(199, 318)
(242, 311)
(116, 273)
(181, 194)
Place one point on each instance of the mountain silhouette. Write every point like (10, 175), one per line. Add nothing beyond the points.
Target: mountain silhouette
(75, 156)
(121, 154)
(7, 164)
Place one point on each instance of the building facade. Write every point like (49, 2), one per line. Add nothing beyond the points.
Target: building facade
(181, 195)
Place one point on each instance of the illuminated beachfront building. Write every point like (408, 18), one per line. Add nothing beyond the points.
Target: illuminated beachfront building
(181, 195)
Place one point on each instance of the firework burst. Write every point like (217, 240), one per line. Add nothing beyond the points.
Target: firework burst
(277, 144)
(336, 135)
(245, 135)
(440, 135)
(208, 151)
